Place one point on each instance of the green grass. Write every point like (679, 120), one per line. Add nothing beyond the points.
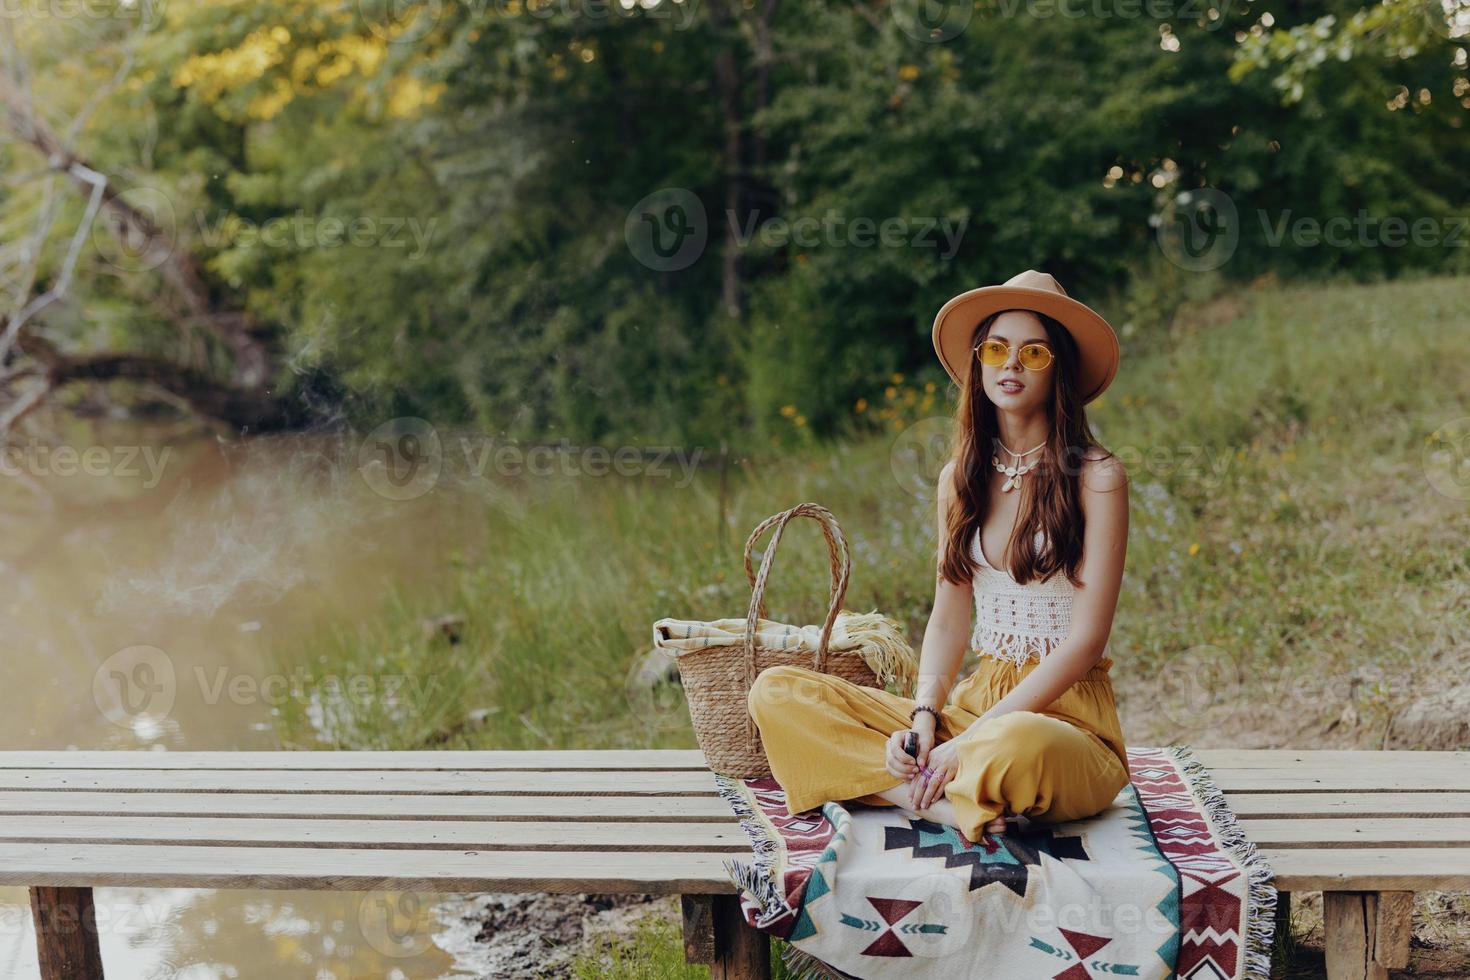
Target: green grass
(1287, 544)
(653, 951)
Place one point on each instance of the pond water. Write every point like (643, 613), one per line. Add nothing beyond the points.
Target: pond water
(136, 553)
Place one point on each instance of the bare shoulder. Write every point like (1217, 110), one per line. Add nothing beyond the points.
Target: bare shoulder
(946, 481)
(1102, 472)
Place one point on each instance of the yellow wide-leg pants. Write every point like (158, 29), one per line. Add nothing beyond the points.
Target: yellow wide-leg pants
(826, 739)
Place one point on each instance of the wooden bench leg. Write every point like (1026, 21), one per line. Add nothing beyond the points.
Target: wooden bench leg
(699, 928)
(717, 934)
(66, 933)
(1367, 933)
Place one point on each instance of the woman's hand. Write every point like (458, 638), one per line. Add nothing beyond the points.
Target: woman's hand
(943, 762)
(900, 764)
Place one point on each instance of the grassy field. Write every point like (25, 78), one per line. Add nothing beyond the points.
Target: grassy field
(1298, 567)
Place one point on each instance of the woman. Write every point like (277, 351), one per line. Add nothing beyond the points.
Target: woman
(1033, 730)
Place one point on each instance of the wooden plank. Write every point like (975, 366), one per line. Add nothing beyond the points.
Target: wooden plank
(670, 782)
(1356, 805)
(423, 760)
(542, 835)
(368, 806)
(622, 759)
(65, 921)
(1370, 869)
(451, 781)
(1363, 779)
(361, 869)
(1227, 758)
(1370, 832)
(554, 834)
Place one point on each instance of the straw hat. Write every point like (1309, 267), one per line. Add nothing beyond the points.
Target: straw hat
(1039, 292)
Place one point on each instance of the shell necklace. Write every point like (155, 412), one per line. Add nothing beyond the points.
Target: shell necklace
(1013, 472)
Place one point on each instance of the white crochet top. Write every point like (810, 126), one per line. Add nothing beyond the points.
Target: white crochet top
(1015, 622)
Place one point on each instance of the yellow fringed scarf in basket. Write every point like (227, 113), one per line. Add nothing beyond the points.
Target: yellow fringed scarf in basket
(878, 640)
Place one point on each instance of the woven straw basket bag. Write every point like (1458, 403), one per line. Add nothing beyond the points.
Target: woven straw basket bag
(720, 659)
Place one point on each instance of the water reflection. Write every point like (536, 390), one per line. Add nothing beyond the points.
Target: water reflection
(147, 608)
(198, 934)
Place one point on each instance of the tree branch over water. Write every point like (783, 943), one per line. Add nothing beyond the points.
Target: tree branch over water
(245, 400)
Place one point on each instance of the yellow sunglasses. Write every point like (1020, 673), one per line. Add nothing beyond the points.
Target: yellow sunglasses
(1033, 357)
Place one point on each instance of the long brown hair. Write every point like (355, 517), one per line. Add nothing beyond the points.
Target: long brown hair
(1054, 503)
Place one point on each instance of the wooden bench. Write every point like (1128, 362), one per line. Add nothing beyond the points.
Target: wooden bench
(1368, 829)
(587, 821)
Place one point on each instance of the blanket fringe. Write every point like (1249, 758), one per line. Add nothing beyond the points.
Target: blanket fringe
(801, 965)
(756, 878)
(883, 648)
(1262, 897)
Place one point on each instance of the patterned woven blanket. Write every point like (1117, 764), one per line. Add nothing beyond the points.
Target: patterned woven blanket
(1162, 884)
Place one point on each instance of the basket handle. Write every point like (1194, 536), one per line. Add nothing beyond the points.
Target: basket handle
(839, 563)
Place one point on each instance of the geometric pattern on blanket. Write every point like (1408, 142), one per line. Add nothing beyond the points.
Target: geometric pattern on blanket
(1162, 884)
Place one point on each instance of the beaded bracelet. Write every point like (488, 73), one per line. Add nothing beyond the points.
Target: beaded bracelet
(924, 707)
